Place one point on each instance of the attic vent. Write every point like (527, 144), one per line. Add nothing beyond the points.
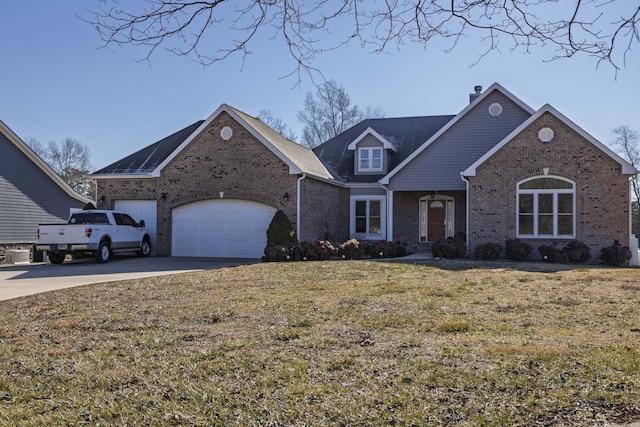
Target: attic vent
(226, 133)
(495, 109)
(546, 134)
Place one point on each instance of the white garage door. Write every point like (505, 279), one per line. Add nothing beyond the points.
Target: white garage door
(221, 229)
(146, 210)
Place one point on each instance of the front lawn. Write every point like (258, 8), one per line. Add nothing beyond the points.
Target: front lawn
(328, 343)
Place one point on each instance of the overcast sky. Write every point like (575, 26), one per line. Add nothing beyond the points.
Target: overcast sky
(58, 82)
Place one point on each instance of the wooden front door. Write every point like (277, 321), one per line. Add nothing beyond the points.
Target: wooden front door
(436, 217)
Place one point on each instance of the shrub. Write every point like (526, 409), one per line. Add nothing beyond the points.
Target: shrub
(455, 247)
(517, 250)
(276, 253)
(383, 249)
(280, 231)
(551, 253)
(320, 250)
(488, 251)
(615, 255)
(576, 251)
(351, 249)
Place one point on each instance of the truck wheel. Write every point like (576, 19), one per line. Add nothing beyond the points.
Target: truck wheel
(145, 248)
(103, 253)
(56, 258)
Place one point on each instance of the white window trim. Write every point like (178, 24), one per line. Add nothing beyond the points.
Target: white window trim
(555, 193)
(370, 150)
(383, 218)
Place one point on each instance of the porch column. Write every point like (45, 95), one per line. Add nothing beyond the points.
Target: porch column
(389, 216)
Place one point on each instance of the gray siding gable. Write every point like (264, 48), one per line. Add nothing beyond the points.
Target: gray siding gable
(439, 165)
(29, 196)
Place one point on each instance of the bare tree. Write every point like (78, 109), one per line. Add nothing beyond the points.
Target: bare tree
(329, 112)
(211, 31)
(627, 143)
(277, 124)
(71, 160)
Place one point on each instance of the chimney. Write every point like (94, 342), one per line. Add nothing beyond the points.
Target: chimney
(473, 96)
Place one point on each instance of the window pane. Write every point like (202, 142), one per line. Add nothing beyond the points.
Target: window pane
(565, 203)
(376, 153)
(526, 204)
(565, 224)
(361, 225)
(525, 224)
(546, 183)
(364, 159)
(374, 225)
(376, 164)
(545, 224)
(361, 208)
(374, 208)
(545, 203)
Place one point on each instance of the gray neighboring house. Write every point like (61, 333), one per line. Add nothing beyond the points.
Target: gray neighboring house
(32, 193)
(497, 170)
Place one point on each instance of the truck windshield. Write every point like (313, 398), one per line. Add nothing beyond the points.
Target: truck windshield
(89, 218)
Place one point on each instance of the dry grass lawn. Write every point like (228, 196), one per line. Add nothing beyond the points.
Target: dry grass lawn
(333, 343)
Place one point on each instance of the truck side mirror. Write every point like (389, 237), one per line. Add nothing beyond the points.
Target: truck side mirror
(142, 223)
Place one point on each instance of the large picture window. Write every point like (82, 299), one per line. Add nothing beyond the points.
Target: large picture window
(367, 217)
(546, 208)
(370, 159)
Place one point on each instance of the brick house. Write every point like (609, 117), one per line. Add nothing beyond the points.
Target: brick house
(498, 169)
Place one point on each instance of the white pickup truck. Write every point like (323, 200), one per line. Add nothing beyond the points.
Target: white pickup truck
(97, 233)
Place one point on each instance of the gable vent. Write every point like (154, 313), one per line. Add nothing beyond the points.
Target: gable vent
(495, 109)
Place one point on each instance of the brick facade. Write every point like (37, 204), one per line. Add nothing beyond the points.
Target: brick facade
(241, 167)
(324, 210)
(602, 191)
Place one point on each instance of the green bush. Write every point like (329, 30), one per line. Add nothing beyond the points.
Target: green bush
(615, 255)
(488, 251)
(384, 249)
(576, 251)
(280, 231)
(551, 253)
(517, 250)
(455, 247)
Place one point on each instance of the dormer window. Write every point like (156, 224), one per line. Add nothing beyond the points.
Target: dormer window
(370, 159)
(371, 153)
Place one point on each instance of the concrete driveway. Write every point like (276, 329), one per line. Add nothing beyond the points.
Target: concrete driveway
(21, 280)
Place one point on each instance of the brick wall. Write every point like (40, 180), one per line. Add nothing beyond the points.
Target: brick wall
(602, 192)
(324, 211)
(241, 167)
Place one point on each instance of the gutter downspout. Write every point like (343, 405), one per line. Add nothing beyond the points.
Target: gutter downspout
(298, 219)
(633, 240)
(466, 221)
(389, 215)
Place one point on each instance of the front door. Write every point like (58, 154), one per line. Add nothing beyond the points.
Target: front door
(437, 220)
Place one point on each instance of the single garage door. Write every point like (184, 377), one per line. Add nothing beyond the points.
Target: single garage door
(221, 229)
(146, 210)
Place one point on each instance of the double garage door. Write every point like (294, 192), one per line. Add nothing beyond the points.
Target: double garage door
(221, 229)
